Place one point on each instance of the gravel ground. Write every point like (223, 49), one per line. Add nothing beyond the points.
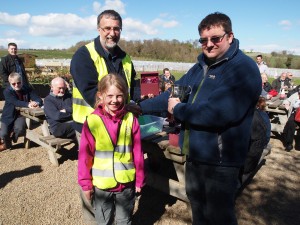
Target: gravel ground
(34, 192)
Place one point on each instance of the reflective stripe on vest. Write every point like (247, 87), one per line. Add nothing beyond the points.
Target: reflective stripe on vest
(81, 109)
(113, 164)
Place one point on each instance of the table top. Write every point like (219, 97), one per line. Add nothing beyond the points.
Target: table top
(36, 114)
(159, 144)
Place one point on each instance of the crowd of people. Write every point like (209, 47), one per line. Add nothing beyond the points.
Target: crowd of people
(101, 113)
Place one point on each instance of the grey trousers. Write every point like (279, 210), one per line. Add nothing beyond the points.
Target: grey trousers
(115, 207)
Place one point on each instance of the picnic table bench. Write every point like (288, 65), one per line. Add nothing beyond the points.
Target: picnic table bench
(165, 164)
(277, 113)
(46, 140)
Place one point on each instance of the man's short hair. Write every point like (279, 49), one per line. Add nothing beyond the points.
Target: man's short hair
(12, 44)
(165, 69)
(109, 14)
(14, 75)
(216, 19)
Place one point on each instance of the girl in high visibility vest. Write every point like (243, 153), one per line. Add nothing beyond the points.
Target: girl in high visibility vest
(110, 160)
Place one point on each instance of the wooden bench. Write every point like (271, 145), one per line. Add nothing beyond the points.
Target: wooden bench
(46, 139)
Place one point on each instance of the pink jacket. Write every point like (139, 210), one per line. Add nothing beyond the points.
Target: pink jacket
(87, 150)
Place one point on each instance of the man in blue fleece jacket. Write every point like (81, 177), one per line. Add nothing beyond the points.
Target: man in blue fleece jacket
(215, 120)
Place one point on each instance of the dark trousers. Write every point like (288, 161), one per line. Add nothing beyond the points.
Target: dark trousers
(18, 127)
(289, 130)
(211, 191)
(64, 130)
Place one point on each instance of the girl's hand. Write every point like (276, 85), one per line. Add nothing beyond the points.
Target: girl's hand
(138, 189)
(88, 194)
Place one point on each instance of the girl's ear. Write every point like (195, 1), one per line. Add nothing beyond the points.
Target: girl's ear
(99, 95)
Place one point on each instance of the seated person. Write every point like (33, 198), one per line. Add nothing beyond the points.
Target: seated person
(281, 82)
(266, 85)
(289, 77)
(12, 123)
(166, 79)
(260, 136)
(291, 104)
(58, 109)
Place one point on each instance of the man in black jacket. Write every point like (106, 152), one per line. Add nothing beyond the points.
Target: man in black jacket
(58, 109)
(12, 63)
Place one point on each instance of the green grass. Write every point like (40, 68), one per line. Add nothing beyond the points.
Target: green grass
(44, 54)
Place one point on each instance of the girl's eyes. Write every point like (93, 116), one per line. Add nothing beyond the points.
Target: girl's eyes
(111, 96)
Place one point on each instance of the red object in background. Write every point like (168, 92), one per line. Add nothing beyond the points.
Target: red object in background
(173, 139)
(149, 83)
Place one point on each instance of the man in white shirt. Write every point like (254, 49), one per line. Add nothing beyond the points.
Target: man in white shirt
(263, 68)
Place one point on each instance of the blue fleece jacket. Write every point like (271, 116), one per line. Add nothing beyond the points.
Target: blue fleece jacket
(220, 117)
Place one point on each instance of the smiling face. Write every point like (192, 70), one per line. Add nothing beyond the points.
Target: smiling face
(15, 83)
(12, 50)
(215, 49)
(112, 99)
(110, 32)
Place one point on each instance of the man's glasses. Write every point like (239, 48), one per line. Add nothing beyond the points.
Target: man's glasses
(108, 29)
(214, 39)
(14, 84)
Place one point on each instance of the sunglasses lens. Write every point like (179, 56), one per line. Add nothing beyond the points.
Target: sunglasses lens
(215, 40)
(203, 40)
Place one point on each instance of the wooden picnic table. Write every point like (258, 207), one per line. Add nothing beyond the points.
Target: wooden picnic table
(36, 116)
(277, 113)
(165, 164)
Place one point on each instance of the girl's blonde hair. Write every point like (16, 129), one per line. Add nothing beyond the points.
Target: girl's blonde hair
(107, 81)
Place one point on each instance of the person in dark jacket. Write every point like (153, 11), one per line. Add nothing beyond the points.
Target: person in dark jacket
(266, 85)
(166, 79)
(215, 120)
(281, 82)
(12, 123)
(58, 109)
(12, 63)
(260, 136)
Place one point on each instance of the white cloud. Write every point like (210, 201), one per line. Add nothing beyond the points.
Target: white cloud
(54, 24)
(135, 29)
(19, 20)
(285, 24)
(5, 41)
(12, 33)
(116, 5)
(164, 24)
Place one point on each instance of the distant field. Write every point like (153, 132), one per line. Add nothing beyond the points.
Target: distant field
(44, 54)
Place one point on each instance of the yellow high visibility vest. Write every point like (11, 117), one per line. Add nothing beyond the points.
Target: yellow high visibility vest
(80, 107)
(113, 164)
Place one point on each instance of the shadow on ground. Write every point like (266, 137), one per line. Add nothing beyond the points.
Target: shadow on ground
(153, 205)
(5, 178)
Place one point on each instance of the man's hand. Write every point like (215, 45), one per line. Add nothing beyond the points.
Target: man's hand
(172, 102)
(33, 104)
(134, 108)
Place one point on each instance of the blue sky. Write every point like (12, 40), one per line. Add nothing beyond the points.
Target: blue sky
(261, 26)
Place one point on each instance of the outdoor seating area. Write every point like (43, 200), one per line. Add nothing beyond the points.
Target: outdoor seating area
(38, 132)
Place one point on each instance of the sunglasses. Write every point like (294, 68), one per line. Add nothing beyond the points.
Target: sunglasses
(13, 84)
(214, 39)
